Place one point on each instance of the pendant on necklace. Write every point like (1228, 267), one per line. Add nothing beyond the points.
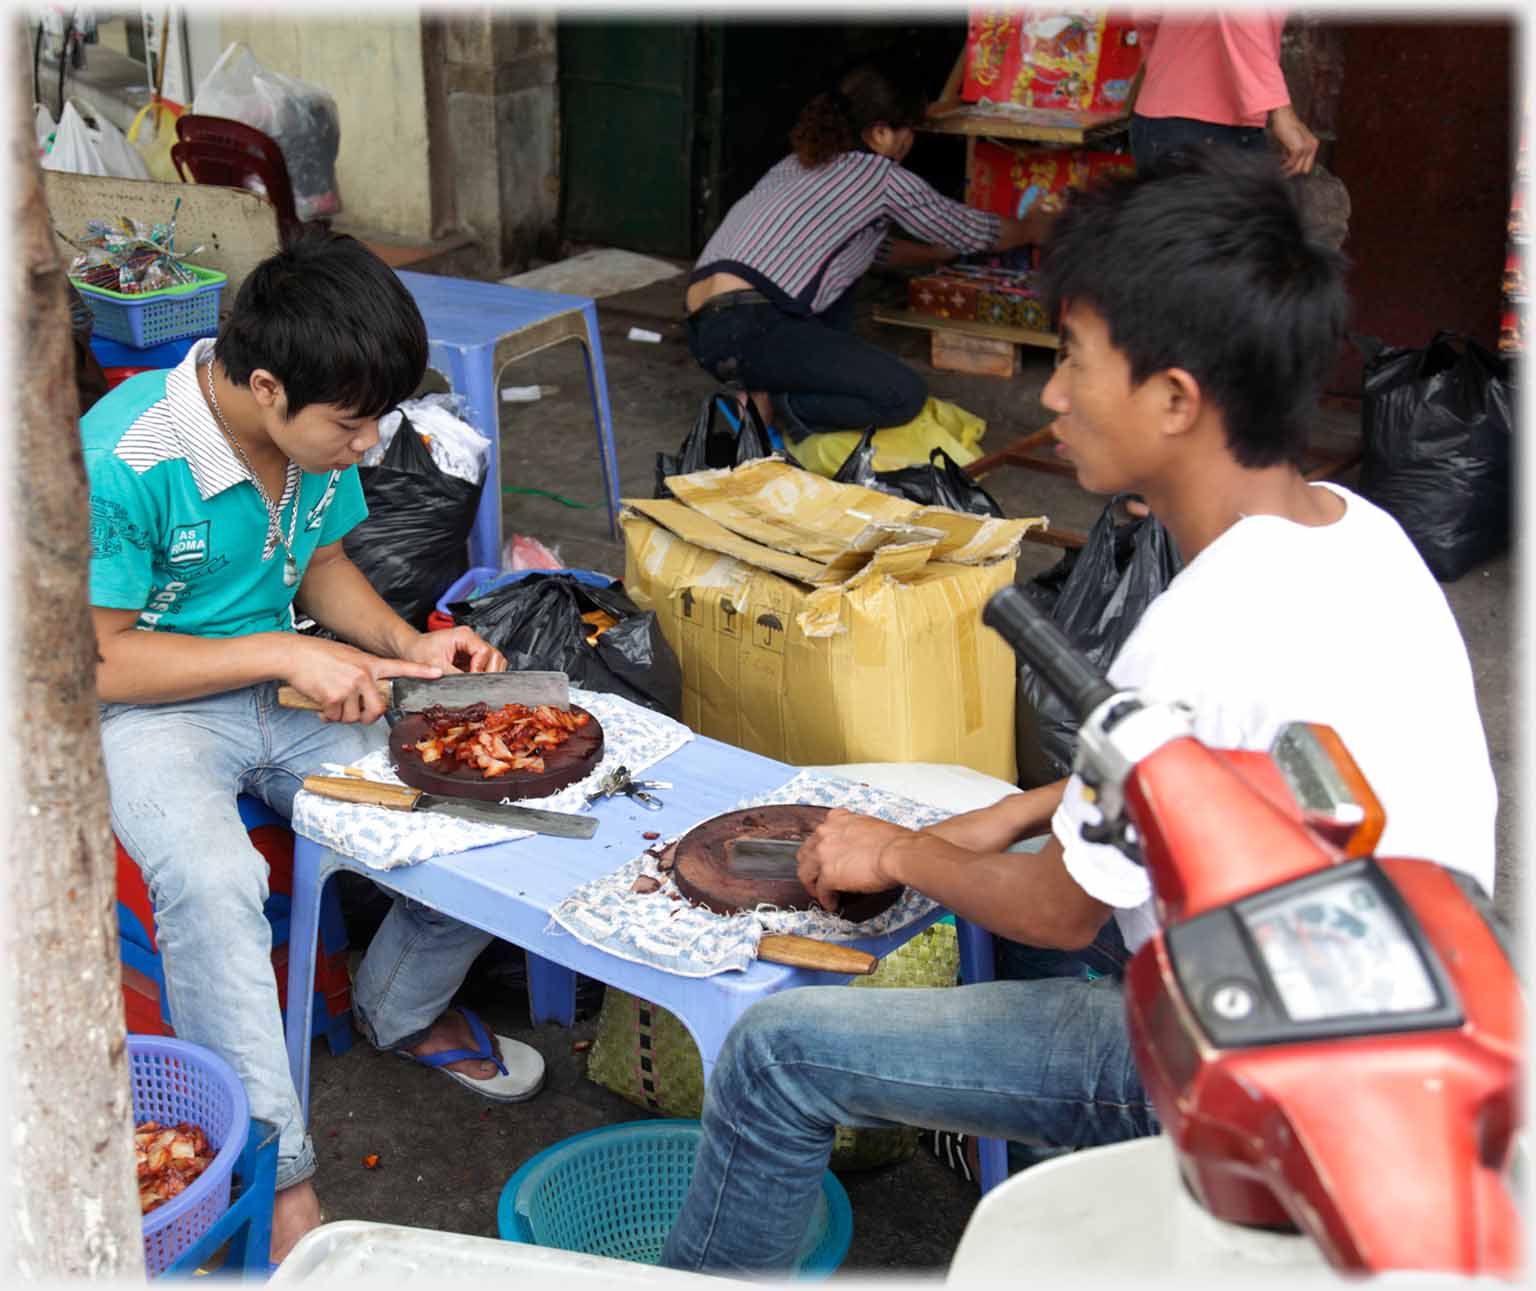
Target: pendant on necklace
(290, 572)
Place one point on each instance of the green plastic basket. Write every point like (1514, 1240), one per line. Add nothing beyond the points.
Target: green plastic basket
(146, 319)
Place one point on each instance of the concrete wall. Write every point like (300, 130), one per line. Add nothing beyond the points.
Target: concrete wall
(493, 100)
(372, 66)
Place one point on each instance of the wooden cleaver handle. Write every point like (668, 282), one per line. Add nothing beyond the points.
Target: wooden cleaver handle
(807, 952)
(288, 697)
(371, 793)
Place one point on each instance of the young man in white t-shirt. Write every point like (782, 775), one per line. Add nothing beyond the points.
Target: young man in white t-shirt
(1197, 325)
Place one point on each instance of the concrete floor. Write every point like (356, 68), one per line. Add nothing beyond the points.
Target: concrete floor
(445, 1153)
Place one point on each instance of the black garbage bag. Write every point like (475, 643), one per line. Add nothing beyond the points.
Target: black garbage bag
(536, 622)
(413, 545)
(1438, 424)
(1109, 583)
(708, 447)
(941, 483)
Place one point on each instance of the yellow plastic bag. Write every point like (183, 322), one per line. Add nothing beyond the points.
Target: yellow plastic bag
(939, 425)
(154, 141)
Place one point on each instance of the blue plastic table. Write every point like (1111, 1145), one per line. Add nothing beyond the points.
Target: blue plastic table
(510, 888)
(474, 330)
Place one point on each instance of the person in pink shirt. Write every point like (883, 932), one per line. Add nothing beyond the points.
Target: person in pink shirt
(1215, 78)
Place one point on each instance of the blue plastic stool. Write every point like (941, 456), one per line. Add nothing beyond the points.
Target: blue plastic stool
(474, 330)
(247, 1224)
(978, 964)
(136, 950)
(114, 354)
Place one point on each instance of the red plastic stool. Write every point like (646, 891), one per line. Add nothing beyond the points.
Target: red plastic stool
(144, 1001)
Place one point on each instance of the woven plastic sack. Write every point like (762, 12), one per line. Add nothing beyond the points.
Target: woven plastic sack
(644, 1054)
(939, 425)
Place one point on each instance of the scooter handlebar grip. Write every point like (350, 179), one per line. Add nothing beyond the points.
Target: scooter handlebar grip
(1045, 647)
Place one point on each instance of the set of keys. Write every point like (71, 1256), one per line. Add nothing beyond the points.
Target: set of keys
(619, 781)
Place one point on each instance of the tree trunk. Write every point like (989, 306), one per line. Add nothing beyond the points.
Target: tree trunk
(75, 1211)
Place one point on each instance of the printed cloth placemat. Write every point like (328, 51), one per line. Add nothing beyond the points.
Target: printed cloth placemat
(653, 928)
(385, 839)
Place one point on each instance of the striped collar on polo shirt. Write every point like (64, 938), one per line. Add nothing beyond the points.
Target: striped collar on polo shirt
(207, 453)
(182, 426)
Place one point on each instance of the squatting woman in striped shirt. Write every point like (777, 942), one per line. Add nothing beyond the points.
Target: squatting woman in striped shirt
(770, 303)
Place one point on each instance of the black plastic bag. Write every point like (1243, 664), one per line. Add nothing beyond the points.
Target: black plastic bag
(941, 483)
(1109, 583)
(536, 622)
(707, 448)
(1438, 424)
(413, 545)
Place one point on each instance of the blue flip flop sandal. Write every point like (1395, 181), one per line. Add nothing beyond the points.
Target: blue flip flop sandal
(521, 1066)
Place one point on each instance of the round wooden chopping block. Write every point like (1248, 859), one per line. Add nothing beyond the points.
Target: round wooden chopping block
(563, 766)
(702, 872)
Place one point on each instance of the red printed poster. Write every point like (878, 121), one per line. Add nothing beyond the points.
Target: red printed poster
(1077, 60)
(1013, 180)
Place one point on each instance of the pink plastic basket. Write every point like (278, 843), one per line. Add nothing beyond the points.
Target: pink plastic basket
(176, 1081)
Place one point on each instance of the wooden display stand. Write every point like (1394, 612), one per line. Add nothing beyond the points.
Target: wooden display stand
(950, 116)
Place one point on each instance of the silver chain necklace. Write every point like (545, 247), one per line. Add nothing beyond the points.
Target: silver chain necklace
(274, 510)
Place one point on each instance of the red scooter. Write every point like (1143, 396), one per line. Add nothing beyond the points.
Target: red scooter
(1332, 1039)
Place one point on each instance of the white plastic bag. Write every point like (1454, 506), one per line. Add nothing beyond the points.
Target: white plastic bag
(299, 116)
(82, 149)
(456, 446)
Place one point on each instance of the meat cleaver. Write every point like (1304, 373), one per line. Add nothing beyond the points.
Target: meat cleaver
(458, 690)
(764, 858)
(376, 793)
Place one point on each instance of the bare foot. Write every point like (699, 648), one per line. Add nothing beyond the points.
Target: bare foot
(295, 1211)
(451, 1031)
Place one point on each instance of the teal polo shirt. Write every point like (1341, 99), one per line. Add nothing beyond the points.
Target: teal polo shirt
(178, 531)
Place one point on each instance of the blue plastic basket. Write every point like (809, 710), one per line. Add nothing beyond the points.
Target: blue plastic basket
(150, 318)
(617, 1191)
(176, 1081)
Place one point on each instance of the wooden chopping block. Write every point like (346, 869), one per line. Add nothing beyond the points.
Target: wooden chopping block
(979, 355)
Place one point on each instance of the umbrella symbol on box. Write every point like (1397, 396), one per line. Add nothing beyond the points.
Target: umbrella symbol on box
(763, 633)
(687, 599)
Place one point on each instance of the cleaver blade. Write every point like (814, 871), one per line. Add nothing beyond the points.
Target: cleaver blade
(764, 858)
(457, 690)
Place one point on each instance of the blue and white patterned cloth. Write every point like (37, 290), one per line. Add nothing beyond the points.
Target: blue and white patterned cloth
(652, 928)
(385, 839)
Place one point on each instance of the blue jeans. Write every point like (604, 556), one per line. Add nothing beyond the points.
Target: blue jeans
(173, 773)
(1153, 138)
(1046, 1062)
(820, 375)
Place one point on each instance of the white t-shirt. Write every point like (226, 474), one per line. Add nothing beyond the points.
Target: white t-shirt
(1341, 624)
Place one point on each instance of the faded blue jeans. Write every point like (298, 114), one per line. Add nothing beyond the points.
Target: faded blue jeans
(173, 773)
(1045, 1062)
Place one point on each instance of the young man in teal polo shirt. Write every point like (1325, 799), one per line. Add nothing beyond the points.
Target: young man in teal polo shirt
(220, 493)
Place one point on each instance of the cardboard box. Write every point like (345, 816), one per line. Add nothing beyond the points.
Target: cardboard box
(942, 296)
(823, 623)
(1011, 180)
(956, 352)
(1075, 59)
